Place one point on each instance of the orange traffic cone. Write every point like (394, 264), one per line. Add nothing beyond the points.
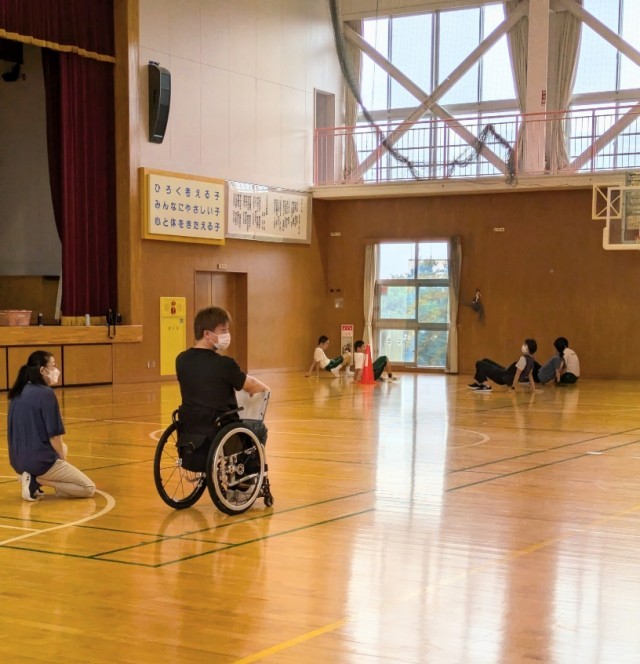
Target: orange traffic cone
(367, 369)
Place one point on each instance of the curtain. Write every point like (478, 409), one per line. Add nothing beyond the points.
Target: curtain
(354, 55)
(69, 25)
(80, 135)
(370, 275)
(567, 36)
(518, 39)
(455, 266)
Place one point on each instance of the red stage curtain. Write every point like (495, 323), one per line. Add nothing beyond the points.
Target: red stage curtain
(80, 131)
(86, 24)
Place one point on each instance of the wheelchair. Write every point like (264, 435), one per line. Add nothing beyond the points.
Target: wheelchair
(229, 461)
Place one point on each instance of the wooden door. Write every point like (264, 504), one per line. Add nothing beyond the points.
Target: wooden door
(229, 291)
(325, 118)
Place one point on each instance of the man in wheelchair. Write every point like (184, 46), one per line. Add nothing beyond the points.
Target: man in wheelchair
(208, 384)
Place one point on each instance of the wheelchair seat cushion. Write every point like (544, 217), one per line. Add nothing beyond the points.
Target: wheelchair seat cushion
(193, 449)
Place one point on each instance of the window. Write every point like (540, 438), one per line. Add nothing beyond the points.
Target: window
(427, 48)
(598, 60)
(607, 84)
(413, 303)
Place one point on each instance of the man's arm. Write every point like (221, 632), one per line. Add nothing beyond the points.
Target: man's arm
(253, 385)
(311, 368)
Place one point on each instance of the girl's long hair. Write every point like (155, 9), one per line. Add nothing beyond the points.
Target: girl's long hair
(30, 372)
(560, 344)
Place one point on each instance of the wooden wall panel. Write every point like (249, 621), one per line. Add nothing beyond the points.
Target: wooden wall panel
(286, 284)
(286, 295)
(84, 365)
(29, 292)
(546, 275)
(128, 126)
(18, 355)
(4, 379)
(229, 291)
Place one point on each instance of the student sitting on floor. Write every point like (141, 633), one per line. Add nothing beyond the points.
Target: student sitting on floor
(563, 367)
(489, 370)
(34, 433)
(321, 361)
(379, 366)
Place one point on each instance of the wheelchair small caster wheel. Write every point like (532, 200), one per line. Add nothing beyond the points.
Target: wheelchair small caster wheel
(268, 500)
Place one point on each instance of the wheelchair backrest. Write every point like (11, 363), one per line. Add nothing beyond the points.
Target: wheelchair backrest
(253, 407)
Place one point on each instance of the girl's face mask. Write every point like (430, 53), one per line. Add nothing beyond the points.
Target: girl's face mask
(53, 375)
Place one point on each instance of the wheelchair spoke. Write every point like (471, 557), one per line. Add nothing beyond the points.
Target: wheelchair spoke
(177, 486)
(236, 472)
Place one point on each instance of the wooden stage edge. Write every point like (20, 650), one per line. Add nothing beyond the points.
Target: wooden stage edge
(48, 335)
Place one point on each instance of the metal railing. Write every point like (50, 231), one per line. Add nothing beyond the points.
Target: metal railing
(580, 140)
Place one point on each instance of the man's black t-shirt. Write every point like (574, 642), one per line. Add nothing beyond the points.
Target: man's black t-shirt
(208, 381)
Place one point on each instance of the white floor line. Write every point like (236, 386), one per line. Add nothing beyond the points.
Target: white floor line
(136, 422)
(18, 528)
(106, 458)
(111, 502)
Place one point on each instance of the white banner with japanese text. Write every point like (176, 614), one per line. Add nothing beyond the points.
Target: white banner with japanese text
(256, 212)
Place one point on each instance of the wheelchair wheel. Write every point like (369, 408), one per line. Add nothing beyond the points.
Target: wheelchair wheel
(179, 488)
(235, 469)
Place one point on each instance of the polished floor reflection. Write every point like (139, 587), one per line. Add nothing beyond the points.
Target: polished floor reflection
(415, 522)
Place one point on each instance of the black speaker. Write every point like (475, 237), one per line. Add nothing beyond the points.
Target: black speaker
(159, 101)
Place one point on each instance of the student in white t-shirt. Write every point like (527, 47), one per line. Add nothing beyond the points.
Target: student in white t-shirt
(571, 370)
(321, 361)
(563, 368)
(380, 365)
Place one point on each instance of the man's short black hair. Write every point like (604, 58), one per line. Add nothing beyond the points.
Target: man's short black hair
(531, 345)
(323, 340)
(209, 319)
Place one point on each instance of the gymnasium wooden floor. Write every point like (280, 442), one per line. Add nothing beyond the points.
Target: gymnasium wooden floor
(416, 522)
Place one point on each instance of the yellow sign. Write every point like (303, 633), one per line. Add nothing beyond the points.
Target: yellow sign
(182, 208)
(173, 332)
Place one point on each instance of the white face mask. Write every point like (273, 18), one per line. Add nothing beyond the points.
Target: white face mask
(224, 340)
(53, 375)
(525, 349)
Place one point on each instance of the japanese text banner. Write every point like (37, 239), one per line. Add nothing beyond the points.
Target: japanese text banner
(257, 212)
(183, 208)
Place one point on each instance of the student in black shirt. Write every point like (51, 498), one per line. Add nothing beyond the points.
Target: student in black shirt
(510, 376)
(209, 380)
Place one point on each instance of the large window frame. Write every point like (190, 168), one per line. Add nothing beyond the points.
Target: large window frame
(387, 46)
(428, 157)
(622, 152)
(421, 147)
(411, 327)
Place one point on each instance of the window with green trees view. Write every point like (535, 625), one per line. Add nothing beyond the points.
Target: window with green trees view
(413, 302)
